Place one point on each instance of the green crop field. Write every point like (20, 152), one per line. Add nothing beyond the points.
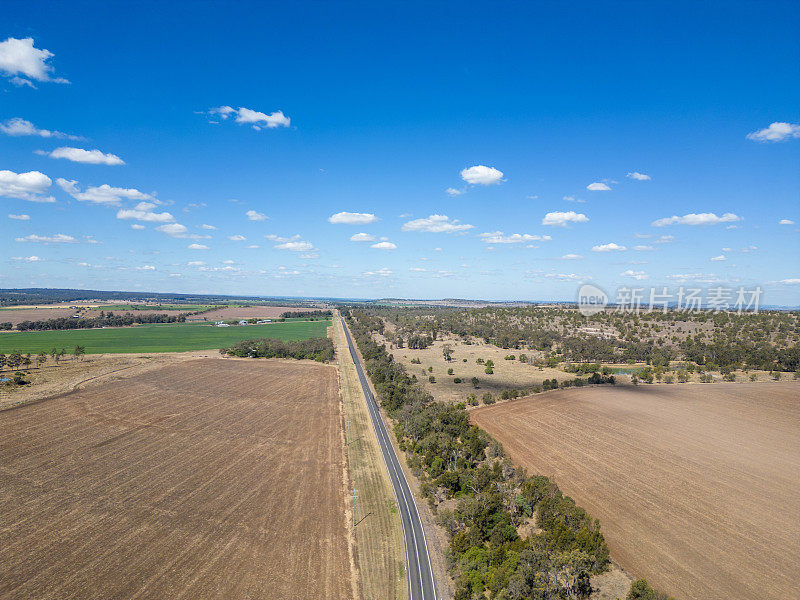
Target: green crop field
(156, 338)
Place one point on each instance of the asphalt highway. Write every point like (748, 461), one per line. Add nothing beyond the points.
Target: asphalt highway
(421, 583)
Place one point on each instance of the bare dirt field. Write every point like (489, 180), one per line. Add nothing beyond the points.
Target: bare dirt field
(249, 312)
(697, 487)
(210, 478)
(18, 315)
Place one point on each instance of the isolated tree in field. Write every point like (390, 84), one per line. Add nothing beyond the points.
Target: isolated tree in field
(78, 352)
(14, 359)
(26, 360)
(41, 358)
(447, 352)
(475, 382)
(54, 354)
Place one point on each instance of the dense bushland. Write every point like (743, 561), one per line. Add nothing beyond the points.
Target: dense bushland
(318, 349)
(299, 314)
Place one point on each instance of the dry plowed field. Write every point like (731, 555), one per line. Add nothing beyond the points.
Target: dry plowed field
(249, 312)
(697, 487)
(17, 315)
(209, 479)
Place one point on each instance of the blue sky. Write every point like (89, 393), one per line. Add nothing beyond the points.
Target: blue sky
(379, 109)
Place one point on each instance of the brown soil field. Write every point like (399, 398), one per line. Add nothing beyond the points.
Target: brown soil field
(249, 312)
(16, 316)
(210, 478)
(697, 488)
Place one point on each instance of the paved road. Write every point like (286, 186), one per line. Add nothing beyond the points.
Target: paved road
(421, 584)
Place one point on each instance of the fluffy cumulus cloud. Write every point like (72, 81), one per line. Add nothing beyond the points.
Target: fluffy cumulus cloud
(21, 217)
(20, 127)
(197, 247)
(611, 247)
(362, 237)
(498, 237)
(437, 224)
(697, 219)
(254, 215)
(207, 226)
(79, 155)
(295, 246)
(562, 219)
(173, 229)
(352, 218)
(22, 62)
(637, 275)
(598, 187)
(256, 119)
(237, 238)
(785, 222)
(32, 186)
(719, 258)
(481, 175)
(137, 227)
(384, 246)
(571, 257)
(144, 212)
(453, 191)
(639, 176)
(103, 194)
(58, 238)
(776, 132)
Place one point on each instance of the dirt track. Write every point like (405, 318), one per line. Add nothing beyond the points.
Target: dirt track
(208, 479)
(697, 487)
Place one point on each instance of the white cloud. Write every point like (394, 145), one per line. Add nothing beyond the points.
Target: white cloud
(384, 272)
(643, 248)
(247, 116)
(197, 247)
(206, 226)
(254, 215)
(571, 257)
(696, 219)
(352, 218)
(146, 268)
(453, 191)
(785, 222)
(31, 186)
(436, 224)
(27, 258)
(573, 199)
(776, 132)
(598, 187)
(639, 176)
(564, 276)
(253, 247)
(173, 229)
(20, 127)
(790, 281)
(721, 257)
(20, 217)
(79, 155)
(481, 175)
(58, 238)
(195, 263)
(295, 246)
(611, 247)
(237, 238)
(144, 212)
(384, 246)
(637, 275)
(20, 57)
(103, 194)
(362, 237)
(561, 219)
(665, 239)
(497, 237)
(137, 227)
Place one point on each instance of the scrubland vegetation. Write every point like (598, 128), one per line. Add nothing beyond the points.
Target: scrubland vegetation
(318, 349)
(511, 536)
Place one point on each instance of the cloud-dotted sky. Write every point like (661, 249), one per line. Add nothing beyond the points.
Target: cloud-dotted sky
(502, 152)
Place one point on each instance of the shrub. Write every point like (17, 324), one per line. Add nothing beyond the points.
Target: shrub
(488, 398)
(457, 380)
(432, 379)
(450, 371)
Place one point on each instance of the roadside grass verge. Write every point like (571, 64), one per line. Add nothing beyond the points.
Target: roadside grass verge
(379, 538)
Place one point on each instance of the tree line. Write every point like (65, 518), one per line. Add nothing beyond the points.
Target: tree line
(318, 349)
(104, 319)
